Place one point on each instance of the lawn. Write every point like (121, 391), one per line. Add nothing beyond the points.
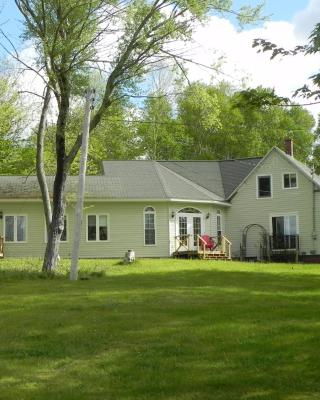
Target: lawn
(160, 329)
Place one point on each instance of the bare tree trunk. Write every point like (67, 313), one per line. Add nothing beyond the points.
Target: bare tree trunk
(57, 222)
(56, 226)
(40, 162)
(82, 178)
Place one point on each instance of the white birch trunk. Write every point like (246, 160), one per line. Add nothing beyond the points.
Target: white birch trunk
(81, 187)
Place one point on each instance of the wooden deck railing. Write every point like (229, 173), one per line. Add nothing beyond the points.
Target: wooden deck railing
(183, 243)
(1, 247)
(224, 246)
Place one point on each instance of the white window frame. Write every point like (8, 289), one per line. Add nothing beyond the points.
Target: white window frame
(219, 214)
(257, 186)
(144, 225)
(290, 188)
(61, 241)
(283, 214)
(15, 230)
(97, 228)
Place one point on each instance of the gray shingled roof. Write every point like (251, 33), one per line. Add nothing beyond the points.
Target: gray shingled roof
(207, 181)
(149, 179)
(233, 172)
(121, 180)
(220, 177)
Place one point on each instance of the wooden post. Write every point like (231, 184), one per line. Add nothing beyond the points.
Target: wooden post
(81, 187)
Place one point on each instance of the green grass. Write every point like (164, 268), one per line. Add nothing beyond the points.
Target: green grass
(160, 329)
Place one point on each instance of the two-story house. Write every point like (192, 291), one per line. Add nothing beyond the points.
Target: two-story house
(266, 207)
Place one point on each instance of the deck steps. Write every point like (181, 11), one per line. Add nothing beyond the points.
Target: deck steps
(214, 256)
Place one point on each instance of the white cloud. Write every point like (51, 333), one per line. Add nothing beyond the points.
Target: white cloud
(305, 20)
(220, 37)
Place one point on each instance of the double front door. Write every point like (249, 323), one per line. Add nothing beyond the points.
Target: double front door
(189, 227)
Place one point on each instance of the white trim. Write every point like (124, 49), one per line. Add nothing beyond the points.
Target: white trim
(144, 226)
(15, 230)
(290, 173)
(200, 215)
(97, 228)
(219, 214)
(257, 186)
(284, 214)
(115, 200)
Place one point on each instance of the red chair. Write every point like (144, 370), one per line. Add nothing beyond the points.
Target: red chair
(208, 242)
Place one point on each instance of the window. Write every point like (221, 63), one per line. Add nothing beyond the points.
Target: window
(149, 226)
(64, 235)
(97, 228)
(190, 210)
(284, 231)
(15, 228)
(219, 229)
(290, 181)
(264, 187)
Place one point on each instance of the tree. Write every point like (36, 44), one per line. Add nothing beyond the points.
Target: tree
(162, 138)
(67, 35)
(232, 124)
(15, 152)
(199, 112)
(312, 47)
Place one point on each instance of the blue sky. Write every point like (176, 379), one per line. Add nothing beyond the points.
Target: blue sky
(278, 9)
(291, 22)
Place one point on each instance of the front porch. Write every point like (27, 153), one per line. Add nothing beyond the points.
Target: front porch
(190, 246)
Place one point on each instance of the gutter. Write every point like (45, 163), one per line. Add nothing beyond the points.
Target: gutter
(99, 200)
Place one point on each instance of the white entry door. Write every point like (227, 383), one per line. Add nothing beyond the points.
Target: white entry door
(189, 226)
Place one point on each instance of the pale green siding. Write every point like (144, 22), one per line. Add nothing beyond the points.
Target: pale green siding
(126, 230)
(247, 209)
(209, 219)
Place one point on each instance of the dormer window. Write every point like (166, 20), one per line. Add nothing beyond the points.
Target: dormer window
(264, 187)
(290, 181)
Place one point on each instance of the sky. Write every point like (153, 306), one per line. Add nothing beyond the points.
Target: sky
(222, 42)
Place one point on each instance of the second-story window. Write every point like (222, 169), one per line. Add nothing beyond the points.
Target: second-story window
(264, 187)
(290, 181)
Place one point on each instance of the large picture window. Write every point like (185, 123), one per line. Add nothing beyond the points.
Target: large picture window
(264, 189)
(284, 232)
(97, 228)
(149, 226)
(15, 228)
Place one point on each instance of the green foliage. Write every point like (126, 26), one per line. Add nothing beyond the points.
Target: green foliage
(159, 134)
(199, 111)
(65, 34)
(114, 139)
(160, 329)
(16, 155)
(234, 126)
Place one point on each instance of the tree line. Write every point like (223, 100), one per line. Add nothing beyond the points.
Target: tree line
(201, 122)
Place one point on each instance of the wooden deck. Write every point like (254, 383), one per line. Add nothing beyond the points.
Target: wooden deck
(184, 250)
(210, 255)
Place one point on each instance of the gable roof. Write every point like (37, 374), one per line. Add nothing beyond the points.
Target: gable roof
(122, 180)
(149, 179)
(220, 177)
(304, 169)
(198, 181)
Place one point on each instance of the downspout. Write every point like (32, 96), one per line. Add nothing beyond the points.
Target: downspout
(314, 231)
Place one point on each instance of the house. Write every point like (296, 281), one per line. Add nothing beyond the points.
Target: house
(265, 206)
